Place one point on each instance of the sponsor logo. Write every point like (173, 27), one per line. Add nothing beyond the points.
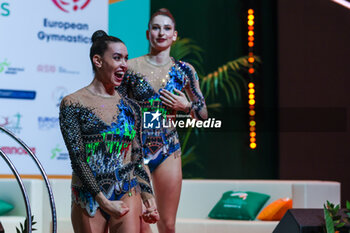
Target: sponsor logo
(56, 153)
(17, 94)
(45, 68)
(152, 120)
(4, 65)
(58, 94)
(63, 70)
(71, 5)
(6, 68)
(46, 123)
(12, 123)
(12, 150)
(4, 9)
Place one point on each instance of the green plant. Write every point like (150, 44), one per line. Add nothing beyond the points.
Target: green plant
(230, 79)
(333, 219)
(24, 226)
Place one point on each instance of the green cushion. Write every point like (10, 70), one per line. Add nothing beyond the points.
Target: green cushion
(239, 205)
(5, 207)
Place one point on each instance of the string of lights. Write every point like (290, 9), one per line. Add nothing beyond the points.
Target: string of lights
(251, 85)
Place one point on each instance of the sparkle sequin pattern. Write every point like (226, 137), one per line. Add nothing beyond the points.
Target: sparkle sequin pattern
(141, 83)
(99, 134)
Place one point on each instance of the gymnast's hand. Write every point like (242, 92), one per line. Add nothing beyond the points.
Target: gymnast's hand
(116, 209)
(150, 214)
(176, 102)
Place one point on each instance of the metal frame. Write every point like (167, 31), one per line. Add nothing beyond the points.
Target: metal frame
(24, 191)
(44, 175)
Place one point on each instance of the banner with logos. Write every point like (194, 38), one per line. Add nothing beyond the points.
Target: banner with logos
(44, 55)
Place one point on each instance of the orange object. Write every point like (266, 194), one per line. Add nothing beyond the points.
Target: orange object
(276, 210)
(252, 145)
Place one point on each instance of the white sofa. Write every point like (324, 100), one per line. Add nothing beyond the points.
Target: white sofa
(10, 192)
(197, 199)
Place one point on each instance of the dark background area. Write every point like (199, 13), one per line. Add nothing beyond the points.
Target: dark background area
(220, 29)
(302, 89)
(313, 51)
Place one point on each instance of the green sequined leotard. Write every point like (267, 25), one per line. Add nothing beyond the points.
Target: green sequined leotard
(102, 135)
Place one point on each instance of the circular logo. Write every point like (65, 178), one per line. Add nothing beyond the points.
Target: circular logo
(71, 5)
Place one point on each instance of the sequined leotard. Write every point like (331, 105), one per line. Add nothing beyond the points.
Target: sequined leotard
(143, 82)
(102, 135)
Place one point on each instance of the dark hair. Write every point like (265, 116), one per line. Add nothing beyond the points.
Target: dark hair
(162, 11)
(100, 41)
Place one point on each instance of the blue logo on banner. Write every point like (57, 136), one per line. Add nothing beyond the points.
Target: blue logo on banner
(17, 94)
(46, 123)
(151, 120)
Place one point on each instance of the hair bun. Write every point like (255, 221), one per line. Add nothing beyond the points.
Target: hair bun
(163, 10)
(98, 35)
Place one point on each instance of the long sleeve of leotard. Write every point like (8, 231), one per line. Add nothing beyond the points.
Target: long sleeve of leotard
(71, 132)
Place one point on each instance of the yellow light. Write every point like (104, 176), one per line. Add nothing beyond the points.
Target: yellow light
(252, 123)
(250, 22)
(252, 113)
(252, 129)
(250, 11)
(252, 134)
(250, 44)
(251, 91)
(251, 70)
(251, 17)
(251, 59)
(251, 96)
(251, 102)
(250, 85)
(251, 38)
(253, 145)
(250, 33)
(252, 139)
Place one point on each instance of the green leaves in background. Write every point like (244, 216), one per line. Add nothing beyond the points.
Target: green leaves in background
(230, 79)
(333, 219)
(24, 226)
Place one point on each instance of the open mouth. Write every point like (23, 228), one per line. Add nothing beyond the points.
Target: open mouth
(119, 75)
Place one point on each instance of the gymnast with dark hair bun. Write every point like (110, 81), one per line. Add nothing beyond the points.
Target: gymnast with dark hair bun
(158, 82)
(101, 129)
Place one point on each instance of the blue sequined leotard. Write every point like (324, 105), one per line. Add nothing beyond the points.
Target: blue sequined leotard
(102, 135)
(143, 82)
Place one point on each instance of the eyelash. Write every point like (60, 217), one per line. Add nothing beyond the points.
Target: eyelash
(118, 58)
(166, 28)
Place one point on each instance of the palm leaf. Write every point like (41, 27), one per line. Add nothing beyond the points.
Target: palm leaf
(186, 49)
(328, 220)
(230, 74)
